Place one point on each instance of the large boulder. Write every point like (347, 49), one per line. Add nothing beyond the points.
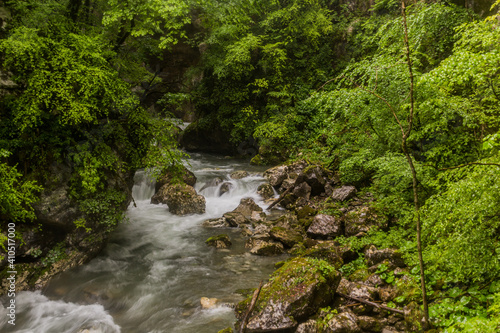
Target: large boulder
(207, 137)
(359, 290)
(275, 176)
(316, 177)
(328, 252)
(360, 220)
(181, 199)
(247, 208)
(324, 227)
(295, 291)
(178, 174)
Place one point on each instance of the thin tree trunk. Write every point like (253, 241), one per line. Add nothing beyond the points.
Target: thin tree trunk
(414, 173)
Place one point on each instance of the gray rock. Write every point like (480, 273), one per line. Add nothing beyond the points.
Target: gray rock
(370, 324)
(235, 219)
(220, 242)
(345, 322)
(239, 174)
(289, 237)
(266, 248)
(374, 256)
(343, 193)
(309, 326)
(266, 191)
(358, 290)
(324, 227)
(302, 191)
(246, 207)
(220, 222)
(273, 318)
(181, 199)
(224, 188)
(212, 183)
(275, 176)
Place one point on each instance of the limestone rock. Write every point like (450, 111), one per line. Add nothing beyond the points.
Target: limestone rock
(212, 183)
(239, 174)
(235, 219)
(324, 227)
(208, 303)
(171, 175)
(315, 177)
(296, 291)
(224, 188)
(266, 248)
(309, 326)
(358, 290)
(374, 256)
(360, 220)
(370, 324)
(288, 237)
(302, 191)
(266, 191)
(246, 207)
(345, 322)
(181, 199)
(343, 193)
(326, 251)
(220, 242)
(275, 176)
(220, 222)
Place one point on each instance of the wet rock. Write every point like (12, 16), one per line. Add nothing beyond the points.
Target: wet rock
(345, 322)
(262, 247)
(224, 188)
(235, 219)
(246, 207)
(356, 289)
(275, 176)
(174, 175)
(324, 227)
(343, 193)
(266, 191)
(309, 326)
(181, 199)
(370, 324)
(212, 183)
(220, 222)
(374, 280)
(239, 174)
(296, 291)
(220, 242)
(208, 303)
(374, 256)
(288, 237)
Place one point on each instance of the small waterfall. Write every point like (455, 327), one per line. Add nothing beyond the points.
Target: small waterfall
(144, 186)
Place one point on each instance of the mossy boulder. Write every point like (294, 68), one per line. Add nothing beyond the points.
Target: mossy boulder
(345, 322)
(220, 241)
(181, 199)
(173, 175)
(288, 237)
(266, 191)
(295, 291)
(328, 252)
(375, 256)
(264, 247)
(361, 220)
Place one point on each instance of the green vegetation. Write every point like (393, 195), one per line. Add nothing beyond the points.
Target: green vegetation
(321, 80)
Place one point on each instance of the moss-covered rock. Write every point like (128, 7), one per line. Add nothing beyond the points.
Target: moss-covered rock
(345, 322)
(226, 330)
(181, 199)
(326, 251)
(263, 247)
(175, 175)
(288, 237)
(266, 191)
(220, 241)
(295, 291)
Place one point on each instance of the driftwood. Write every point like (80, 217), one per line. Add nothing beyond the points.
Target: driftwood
(281, 197)
(250, 308)
(360, 300)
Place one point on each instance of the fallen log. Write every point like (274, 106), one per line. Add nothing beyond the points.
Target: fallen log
(250, 308)
(380, 306)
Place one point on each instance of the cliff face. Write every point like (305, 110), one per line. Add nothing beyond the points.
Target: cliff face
(58, 239)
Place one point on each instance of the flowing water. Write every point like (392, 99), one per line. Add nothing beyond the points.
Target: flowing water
(155, 269)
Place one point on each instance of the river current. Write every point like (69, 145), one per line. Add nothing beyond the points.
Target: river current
(155, 269)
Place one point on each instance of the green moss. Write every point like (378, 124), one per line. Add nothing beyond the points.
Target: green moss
(226, 330)
(256, 160)
(306, 212)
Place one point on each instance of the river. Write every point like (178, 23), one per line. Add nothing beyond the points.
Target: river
(155, 268)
